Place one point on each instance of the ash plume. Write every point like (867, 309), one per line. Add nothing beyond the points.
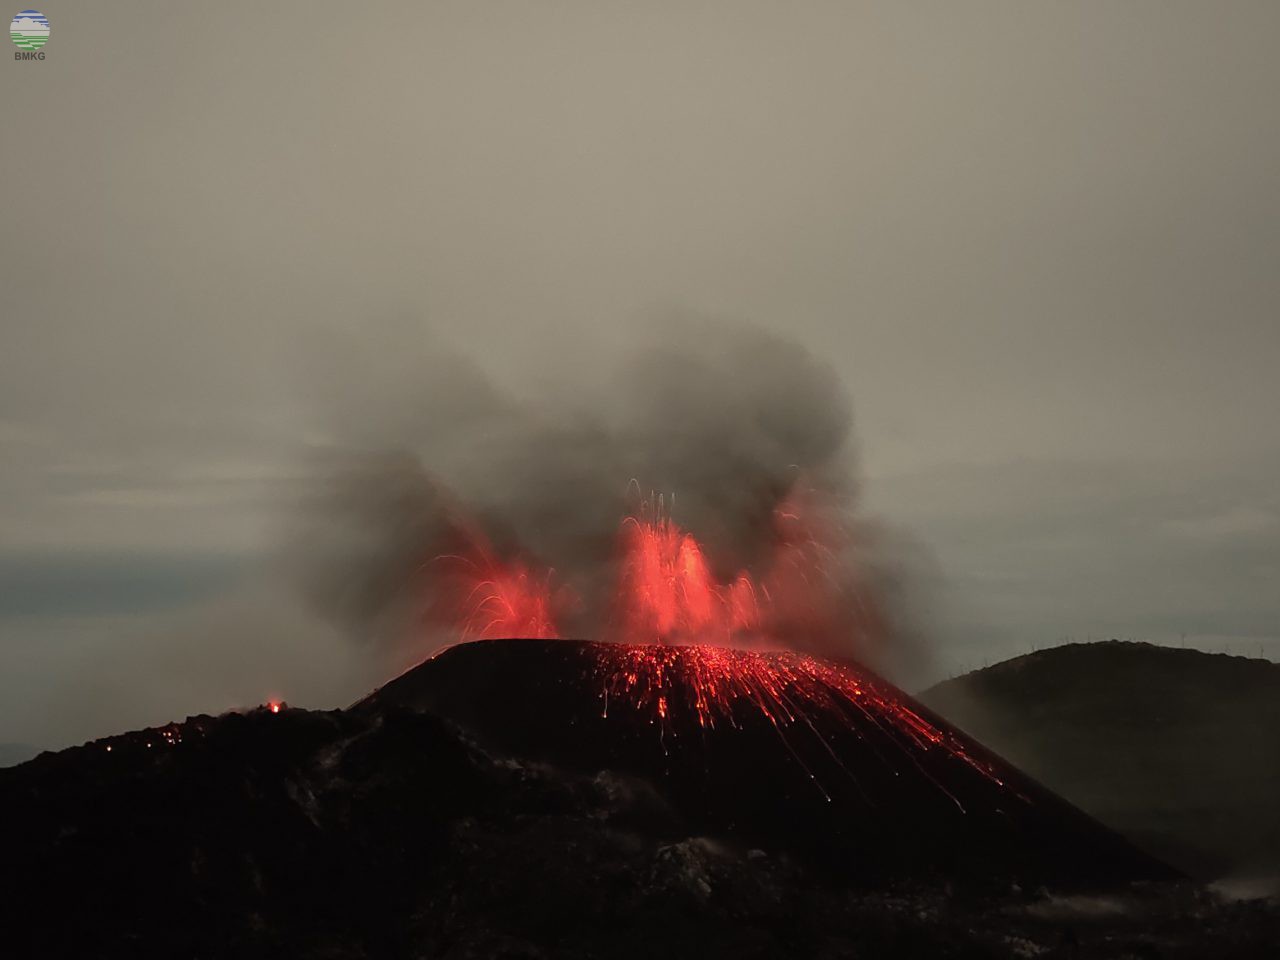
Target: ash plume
(423, 453)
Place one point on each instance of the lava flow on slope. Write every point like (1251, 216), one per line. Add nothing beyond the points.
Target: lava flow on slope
(779, 749)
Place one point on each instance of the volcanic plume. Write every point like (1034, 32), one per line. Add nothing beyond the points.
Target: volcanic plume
(707, 495)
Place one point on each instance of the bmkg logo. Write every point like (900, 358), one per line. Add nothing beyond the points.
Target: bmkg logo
(29, 31)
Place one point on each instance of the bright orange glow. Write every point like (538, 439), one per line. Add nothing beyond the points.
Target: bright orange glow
(667, 591)
(804, 591)
(508, 601)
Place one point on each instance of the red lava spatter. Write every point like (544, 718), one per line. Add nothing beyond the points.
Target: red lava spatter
(793, 691)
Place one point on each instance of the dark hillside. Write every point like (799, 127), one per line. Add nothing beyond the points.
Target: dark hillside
(1175, 748)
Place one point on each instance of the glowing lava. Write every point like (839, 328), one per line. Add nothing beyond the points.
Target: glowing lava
(491, 597)
(685, 688)
(508, 602)
(805, 595)
(668, 593)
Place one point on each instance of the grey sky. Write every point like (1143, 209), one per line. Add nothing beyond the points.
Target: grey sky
(1040, 243)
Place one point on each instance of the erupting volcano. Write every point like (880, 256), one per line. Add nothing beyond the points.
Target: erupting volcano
(701, 762)
(706, 682)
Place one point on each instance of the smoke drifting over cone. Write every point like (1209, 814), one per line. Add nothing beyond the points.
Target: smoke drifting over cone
(452, 508)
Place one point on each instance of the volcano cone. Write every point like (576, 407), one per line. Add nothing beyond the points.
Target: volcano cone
(776, 748)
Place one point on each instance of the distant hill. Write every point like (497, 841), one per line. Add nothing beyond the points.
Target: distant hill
(1177, 749)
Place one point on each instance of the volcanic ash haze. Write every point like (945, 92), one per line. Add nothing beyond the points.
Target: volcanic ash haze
(697, 486)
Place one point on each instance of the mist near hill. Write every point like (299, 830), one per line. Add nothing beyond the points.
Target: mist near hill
(1177, 749)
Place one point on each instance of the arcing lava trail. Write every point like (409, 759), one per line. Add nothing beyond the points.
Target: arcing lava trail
(684, 686)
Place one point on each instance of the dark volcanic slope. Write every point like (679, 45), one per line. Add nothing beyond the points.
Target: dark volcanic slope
(387, 831)
(1177, 748)
(485, 804)
(871, 787)
(336, 836)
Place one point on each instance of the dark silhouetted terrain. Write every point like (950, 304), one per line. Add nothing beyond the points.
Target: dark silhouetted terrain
(477, 831)
(854, 784)
(1177, 749)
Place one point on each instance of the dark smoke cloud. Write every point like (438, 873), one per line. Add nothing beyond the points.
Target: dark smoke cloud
(725, 421)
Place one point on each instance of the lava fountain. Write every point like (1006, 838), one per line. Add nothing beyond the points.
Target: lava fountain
(667, 591)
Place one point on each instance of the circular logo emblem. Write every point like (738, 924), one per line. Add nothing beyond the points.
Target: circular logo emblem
(30, 30)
